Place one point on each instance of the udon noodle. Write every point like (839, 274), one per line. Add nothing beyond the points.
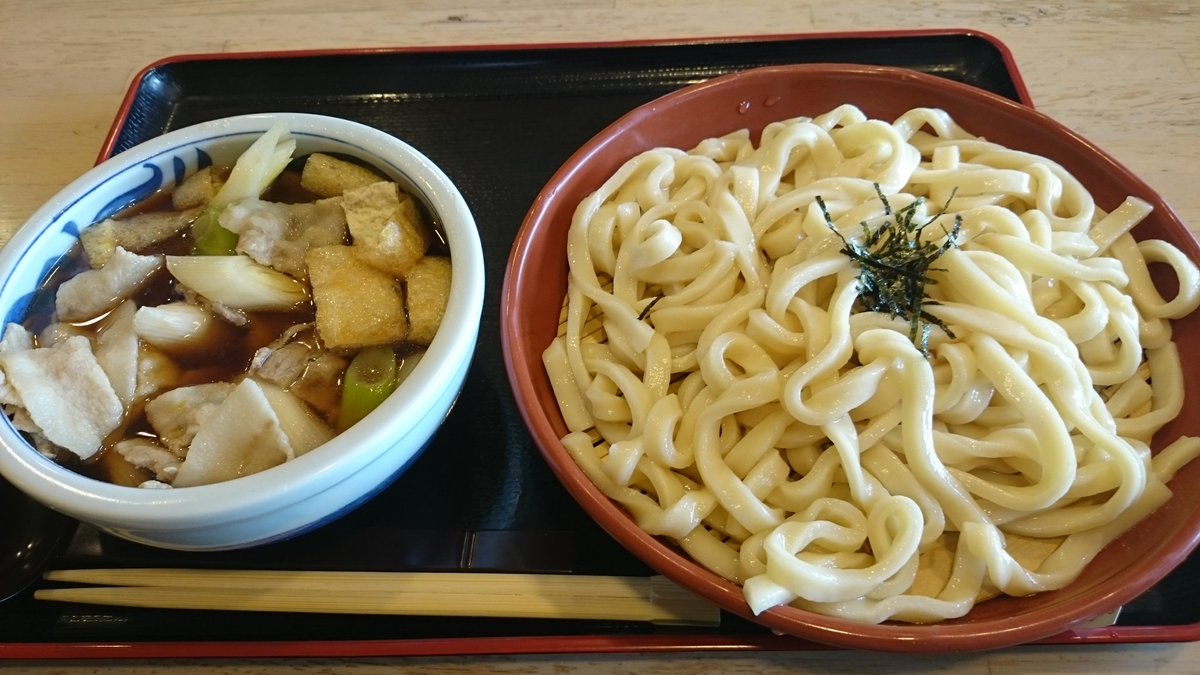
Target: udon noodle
(721, 381)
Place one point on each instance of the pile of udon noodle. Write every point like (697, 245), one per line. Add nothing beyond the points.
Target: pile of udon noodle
(721, 381)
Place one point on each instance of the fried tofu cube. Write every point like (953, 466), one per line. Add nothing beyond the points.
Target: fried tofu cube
(99, 242)
(386, 227)
(428, 289)
(197, 189)
(357, 305)
(328, 176)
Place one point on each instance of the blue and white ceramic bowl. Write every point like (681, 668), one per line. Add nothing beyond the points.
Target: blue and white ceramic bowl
(318, 486)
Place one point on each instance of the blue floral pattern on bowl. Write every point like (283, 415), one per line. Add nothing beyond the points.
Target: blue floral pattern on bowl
(153, 183)
(127, 188)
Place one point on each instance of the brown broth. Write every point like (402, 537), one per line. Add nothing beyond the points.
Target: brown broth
(227, 359)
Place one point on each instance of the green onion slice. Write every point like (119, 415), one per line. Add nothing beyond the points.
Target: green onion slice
(209, 238)
(371, 376)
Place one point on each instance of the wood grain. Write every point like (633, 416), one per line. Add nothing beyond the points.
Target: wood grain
(1123, 74)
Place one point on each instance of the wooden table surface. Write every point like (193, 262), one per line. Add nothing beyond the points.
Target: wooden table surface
(1124, 74)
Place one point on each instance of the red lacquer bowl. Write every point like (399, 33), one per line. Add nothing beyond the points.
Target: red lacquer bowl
(536, 280)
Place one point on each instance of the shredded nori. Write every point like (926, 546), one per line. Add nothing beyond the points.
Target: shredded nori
(646, 310)
(894, 263)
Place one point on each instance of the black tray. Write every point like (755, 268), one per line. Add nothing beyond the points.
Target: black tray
(499, 121)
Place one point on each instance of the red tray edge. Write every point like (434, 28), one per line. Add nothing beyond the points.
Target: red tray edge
(492, 646)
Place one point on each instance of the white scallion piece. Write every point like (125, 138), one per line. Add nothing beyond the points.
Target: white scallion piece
(257, 167)
(176, 326)
(238, 282)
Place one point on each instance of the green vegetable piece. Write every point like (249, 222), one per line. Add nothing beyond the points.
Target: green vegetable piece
(371, 376)
(209, 238)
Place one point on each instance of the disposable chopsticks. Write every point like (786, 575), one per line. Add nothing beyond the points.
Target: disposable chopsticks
(498, 595)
